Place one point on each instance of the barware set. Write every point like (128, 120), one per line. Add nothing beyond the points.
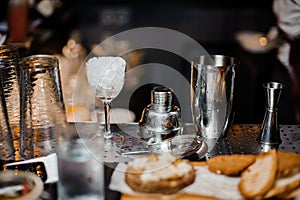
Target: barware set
(33, 123)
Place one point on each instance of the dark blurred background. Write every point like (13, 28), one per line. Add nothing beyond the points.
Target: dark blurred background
(213, 24)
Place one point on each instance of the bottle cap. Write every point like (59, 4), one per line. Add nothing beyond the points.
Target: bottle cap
(161, 97)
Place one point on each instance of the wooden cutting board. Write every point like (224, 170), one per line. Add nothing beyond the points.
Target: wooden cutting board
(181, 197)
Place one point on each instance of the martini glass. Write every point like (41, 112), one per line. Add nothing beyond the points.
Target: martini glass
(106, 77)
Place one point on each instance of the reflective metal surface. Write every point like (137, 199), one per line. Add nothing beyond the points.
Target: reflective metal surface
(270, 130)
(213, 86)
(160, 121)
(241, 139)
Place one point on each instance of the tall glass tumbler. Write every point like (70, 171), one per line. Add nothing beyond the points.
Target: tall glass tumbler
(41, 100)
(213, 87)
(9, 56)
(10, 101)
(80, 163)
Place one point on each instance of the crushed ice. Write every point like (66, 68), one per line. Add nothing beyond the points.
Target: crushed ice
(105, 73)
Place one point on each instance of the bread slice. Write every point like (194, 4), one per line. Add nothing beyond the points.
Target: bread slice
(259, 177)
(159, 174)
(230, 165)
(168, 186)
(288, 175)
(289, 194)
(284, 185)
(288, 164)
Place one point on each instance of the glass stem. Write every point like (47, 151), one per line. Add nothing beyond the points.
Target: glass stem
(107, 132)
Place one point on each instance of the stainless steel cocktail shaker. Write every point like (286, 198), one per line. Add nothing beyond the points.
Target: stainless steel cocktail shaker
(160, 120)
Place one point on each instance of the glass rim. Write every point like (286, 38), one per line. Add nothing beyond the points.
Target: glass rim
(217, 60)
(39, 61)
(40, 56)
(9, 50)
(5, 46)
(273, 85)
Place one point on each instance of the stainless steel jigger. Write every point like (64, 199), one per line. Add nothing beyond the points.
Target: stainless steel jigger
(270, 134)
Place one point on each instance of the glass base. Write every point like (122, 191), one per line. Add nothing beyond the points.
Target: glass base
(185, 146)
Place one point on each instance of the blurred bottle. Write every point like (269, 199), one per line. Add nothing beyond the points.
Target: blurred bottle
(17, 20)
